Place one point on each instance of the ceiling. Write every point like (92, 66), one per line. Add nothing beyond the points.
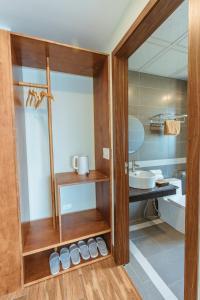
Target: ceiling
(165, 53)
(85, 23)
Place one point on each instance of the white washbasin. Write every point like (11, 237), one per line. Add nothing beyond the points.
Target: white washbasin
(142, 179)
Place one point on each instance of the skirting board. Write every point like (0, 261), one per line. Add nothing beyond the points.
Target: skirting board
(145, 224)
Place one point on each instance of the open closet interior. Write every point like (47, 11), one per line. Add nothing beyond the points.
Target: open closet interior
(61, 98)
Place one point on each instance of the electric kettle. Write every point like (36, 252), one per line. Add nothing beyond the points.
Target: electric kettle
(81, 164)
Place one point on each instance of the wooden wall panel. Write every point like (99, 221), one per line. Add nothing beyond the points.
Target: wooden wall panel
(10, 262)
(32, 51)
(120, 144)
(102, 138)
(193, 155)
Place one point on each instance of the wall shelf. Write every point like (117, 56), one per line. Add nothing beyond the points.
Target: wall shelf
(40, 235)
(71, 178)
(82, 225)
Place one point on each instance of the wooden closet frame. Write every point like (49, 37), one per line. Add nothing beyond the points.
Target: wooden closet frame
(25, 247)
(153, 15)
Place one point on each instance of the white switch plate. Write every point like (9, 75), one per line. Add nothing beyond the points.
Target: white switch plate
(106, 153)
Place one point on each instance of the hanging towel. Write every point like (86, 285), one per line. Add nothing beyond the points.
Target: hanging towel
(172, 127)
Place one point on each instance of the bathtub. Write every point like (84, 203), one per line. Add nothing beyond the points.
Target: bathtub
(172, 208)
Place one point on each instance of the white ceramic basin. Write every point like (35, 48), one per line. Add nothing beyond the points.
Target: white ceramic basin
(142, 179)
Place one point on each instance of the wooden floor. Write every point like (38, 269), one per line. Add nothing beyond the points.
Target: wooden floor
(99, 281)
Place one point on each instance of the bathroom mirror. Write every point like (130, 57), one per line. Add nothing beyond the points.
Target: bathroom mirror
(135, 134)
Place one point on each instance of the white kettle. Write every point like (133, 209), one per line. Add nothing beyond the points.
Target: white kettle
(81, 164)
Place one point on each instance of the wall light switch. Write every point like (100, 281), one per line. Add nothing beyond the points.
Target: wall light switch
(106, 153)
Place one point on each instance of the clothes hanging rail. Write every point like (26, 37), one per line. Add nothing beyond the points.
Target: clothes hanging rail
(33, 85)
(47, 87)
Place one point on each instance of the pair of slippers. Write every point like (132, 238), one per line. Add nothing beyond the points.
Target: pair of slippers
(87, 251)
(55, 259)
(95, 245)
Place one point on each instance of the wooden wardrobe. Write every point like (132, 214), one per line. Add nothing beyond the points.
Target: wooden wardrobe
(25, 247)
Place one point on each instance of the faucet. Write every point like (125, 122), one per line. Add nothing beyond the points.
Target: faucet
(134, 165)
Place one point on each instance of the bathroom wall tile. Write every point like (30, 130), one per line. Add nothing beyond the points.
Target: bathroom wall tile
(176, 149)
(178, 85)
(136, 210)
(176, 99)
(153, 97)
(156, 82)
(154, 136)
(134, 78)
(175, 170)
(182, 137)
(134, 156)
(154, 150)
(134, 110)
(133, 95)
(172, 171)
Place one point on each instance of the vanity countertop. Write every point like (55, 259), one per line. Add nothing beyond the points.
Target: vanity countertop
(140, 195)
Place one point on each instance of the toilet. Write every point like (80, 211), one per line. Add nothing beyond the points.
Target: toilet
(172, 208)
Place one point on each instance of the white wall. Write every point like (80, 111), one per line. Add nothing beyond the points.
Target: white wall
(132, 12)
(21, 148)
(73, 133)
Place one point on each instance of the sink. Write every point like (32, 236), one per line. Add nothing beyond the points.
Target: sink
(142, 179)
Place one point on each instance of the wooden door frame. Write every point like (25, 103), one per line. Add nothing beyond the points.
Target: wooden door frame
(153, 15)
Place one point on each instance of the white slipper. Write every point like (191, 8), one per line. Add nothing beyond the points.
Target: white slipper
(54, 263)
(65, 258)
(102, 246)
(74, 254)
(92, 246)
(84, 250)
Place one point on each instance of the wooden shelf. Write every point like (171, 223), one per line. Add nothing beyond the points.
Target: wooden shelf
(36, 267)
(39, 235)
(82, 225)
(71, 178)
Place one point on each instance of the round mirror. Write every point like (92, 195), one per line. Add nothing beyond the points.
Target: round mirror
(135, 134)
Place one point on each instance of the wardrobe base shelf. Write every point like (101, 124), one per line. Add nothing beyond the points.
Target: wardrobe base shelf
(36, 267)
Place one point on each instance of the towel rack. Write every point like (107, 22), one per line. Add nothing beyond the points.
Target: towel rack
(159, 119)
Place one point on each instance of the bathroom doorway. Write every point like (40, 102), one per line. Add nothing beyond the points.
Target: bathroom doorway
(157, 144)
(147, 83)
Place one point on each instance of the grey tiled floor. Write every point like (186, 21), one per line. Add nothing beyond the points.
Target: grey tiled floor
(142, 282)
(163, 247)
